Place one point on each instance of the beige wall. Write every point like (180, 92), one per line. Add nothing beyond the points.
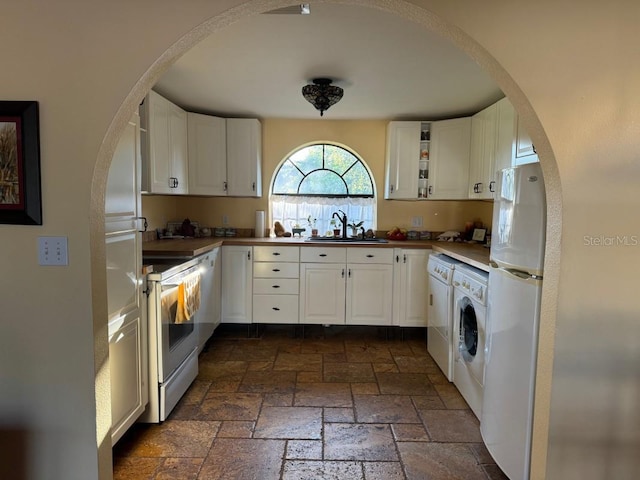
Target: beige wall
(570, 68)
(280, 138)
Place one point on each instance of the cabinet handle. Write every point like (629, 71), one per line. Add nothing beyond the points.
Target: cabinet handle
(370, 256)
(224, 186)
(276, 253)
(275, 308)
(491, 185)
(404, 258)
(349, 274)
(145, 224)
(322, 255)
(343, 273)
(390, 188)
(253, 186)
(534, 148)
(430, 191)
(249, 255)
(431, 300)
(275, 270)
(275, 286)
(397, 258)
(177, 183)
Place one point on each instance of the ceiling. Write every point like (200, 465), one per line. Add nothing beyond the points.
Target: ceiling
(389, 68)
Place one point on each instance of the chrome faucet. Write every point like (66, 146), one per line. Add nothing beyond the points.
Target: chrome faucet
(343, 221)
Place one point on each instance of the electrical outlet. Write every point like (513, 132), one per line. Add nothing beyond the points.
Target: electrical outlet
(416, 221)
(53, 251)
(225, 219)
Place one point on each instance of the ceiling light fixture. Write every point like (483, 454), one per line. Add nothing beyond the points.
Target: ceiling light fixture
(322, 94)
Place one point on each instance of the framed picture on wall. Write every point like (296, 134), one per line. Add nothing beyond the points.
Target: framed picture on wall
(20, 191)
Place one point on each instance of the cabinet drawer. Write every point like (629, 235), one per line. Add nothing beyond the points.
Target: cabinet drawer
(275, 270)
(276, 254)
(275, 309)
(370, 255)
(323, 255)
(275, 286)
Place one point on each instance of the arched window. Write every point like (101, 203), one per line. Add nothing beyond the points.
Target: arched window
(317, 180)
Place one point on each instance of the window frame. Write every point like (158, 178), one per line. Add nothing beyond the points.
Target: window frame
(324, 144)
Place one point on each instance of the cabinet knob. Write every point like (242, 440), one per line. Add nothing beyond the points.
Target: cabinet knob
(275, 308)
(322, 255)
(391, 188)
(491, 186)
(253, 186)
(430, 190)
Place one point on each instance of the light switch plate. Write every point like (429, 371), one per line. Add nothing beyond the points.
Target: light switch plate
(416, 221)
(53, 251)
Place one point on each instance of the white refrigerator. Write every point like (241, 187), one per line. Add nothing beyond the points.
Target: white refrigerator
(515, 284)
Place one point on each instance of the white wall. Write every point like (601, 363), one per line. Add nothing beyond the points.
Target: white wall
(573, 72)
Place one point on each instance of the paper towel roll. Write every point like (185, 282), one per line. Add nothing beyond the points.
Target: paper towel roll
(259, 233)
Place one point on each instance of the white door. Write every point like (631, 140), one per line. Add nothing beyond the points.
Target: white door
(178, 149)
(244, 157)
(207, 139)
(449, 159)
(369, 294)
(411, 287)
(127, 327)
(159, 140)
(237, 292)
(513, 313)
(403, 155)
(322, 293)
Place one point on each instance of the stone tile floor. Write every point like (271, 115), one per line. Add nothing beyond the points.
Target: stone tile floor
(343, 403)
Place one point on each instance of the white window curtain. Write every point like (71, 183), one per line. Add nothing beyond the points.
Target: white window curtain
(292, 210)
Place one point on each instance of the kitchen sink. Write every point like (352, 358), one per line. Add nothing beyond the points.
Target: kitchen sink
(345, 240)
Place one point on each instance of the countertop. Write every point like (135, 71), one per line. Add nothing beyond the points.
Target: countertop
(472, 254)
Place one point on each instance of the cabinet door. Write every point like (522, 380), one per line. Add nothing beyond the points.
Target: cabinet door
(127, 328)
(523, 149)
(411, 288)
(449, 159)
(236, 284)
(505, 124)
(207, 152)
(244, 157)
(483, 153)
(129, 391)
(322, 293)
(369, 294)
(402, 162)
(178, 150)
(158, 157)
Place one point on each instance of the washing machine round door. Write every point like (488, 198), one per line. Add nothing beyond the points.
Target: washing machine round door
(468, 344)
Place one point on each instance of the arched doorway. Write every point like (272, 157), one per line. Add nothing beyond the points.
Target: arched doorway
(398, 7)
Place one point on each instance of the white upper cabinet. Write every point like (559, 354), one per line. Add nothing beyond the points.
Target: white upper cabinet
(524, 151)
(207, 154)
(244, 157)
(483, 153)
(165, 147)
(403, 154)
(449, 159)
(505, 124)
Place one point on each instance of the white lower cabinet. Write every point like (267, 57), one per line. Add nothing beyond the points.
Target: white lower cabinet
(410, 287)
(128, 367)
(351, 286)
(275, 284)
(237, 268)
(322, 293)
(369, 294)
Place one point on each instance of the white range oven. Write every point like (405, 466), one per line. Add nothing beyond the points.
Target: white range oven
(173, 337)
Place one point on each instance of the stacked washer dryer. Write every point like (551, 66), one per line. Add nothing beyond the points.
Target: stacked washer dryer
(469, 300)
(440, 336)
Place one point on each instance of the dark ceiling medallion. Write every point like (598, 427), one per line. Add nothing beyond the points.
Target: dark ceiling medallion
(322, 94)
